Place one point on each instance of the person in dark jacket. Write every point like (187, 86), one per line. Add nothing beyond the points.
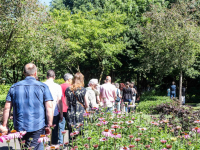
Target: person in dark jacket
(173, 90)
(127, 95)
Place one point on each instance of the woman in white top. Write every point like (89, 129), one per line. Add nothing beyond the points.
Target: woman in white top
(92, 95)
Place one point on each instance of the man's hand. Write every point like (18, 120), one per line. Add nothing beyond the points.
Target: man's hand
(3, 130)
(61, 117)
(48, 130)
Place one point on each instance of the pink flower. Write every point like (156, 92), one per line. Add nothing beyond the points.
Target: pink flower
(15, 135)
(2, 139)
(43, 139)
(115, 135)
(53, 147)
(131, 146)
(163, 141)
(95, 108)
(187, 136)
(164, 149)
(101, 119)
(22, 133)
(195, 129)
(104, 122)
(114, 126)
(72, 134)
(98, 124)
(103, 139)
(76, 132)
(197, 121)
(137, 139)
(124, 148)
(86, 114)
(107, 133)
(116, 112)
(86, 145)
(143, 129)
(129, 122)
(63, 132)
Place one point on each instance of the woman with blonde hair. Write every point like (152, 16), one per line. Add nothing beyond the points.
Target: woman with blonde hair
(76, 102)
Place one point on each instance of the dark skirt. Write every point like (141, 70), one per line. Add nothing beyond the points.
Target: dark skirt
(75, 117)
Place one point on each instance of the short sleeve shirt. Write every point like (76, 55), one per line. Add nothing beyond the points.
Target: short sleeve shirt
(28, 99)
(91, 95)
(64, 86)
(107, 92)
(56, 92)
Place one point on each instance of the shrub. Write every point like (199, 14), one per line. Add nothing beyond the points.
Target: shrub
(4, 89)
(185, 114)
(148, 103)
(58, 81)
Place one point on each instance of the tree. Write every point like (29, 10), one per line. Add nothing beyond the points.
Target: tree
(170, 40)
(24, 37)
(87, 37)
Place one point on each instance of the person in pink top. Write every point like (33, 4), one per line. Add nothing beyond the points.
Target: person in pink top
(108, 94)
(68, 81)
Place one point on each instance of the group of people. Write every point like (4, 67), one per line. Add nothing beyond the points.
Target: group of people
(39, 106)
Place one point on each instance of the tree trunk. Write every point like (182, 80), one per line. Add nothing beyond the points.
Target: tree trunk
(101, 75)
(0, 72)
(180, 87)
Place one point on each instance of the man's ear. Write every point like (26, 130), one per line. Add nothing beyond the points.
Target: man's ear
(35, 74)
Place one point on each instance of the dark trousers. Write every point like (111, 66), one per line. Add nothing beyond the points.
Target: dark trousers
(54, 136)
(34, 142)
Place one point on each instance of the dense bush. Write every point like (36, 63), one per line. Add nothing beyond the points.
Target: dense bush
(148, 103)
(185, 114)
(4, 89)
(58, 81)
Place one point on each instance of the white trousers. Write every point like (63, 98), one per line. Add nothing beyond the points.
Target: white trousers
(183, 99)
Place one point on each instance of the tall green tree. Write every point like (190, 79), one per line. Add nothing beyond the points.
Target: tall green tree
(23, 36)
(171, 40)
(99, 40)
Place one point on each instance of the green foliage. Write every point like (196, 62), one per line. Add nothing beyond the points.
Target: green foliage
(59, 81)
(169, 40)
(89, 38)
(2, 100)
(148, 103)
(4, 89)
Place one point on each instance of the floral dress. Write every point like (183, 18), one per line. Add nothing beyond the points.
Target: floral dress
(76, 107)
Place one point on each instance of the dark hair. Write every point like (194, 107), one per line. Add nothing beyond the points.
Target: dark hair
(30, 69)
(50, 73)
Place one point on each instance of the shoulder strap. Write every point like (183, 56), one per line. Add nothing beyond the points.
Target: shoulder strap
(78, 100)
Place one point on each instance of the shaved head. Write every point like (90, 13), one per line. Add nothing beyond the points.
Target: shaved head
(108, 79)
(30, 69)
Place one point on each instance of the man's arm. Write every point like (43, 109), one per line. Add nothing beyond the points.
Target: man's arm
(60, 107)
(6, 114)
(49, 112)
